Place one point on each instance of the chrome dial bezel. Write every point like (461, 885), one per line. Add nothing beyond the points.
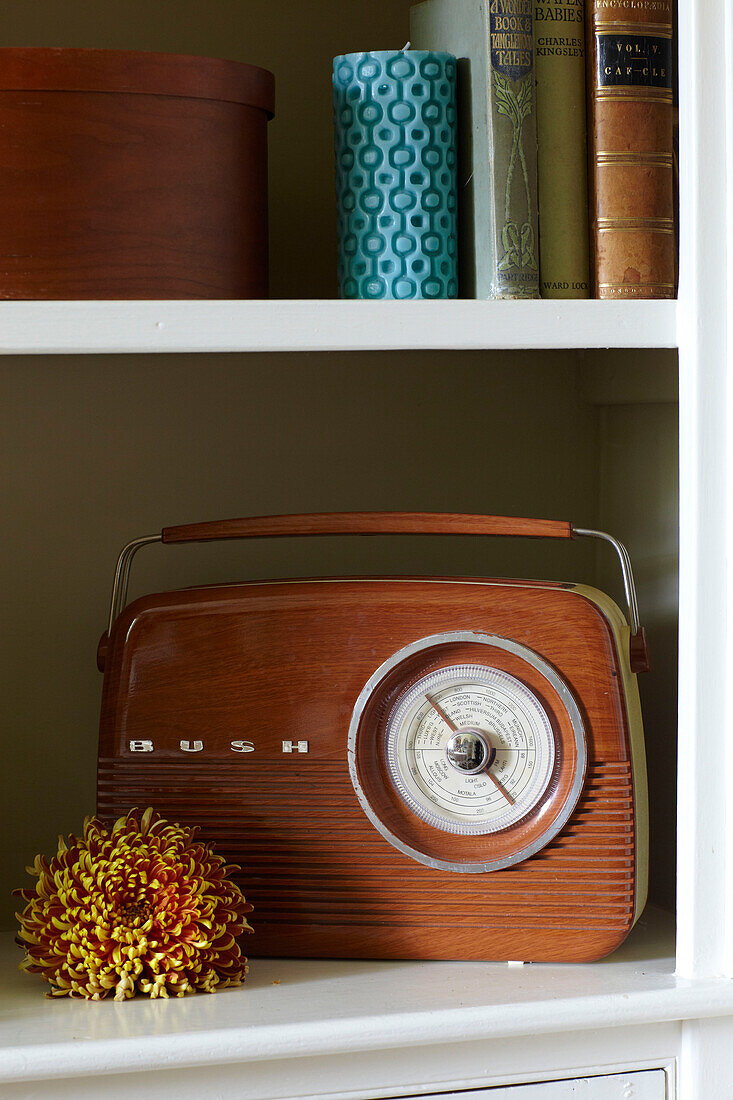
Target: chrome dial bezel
(556, 683)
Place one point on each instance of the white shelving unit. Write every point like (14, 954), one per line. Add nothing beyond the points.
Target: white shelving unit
(663, 1004)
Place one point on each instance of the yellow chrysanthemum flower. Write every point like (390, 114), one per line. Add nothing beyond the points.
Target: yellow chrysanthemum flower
(138, 907)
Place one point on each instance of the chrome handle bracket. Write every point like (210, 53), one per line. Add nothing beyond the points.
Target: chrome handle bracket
(626, 572)
(122, 576)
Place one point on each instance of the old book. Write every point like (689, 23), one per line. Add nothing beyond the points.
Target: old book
(559, 36)
(497, 156)
(631, 135)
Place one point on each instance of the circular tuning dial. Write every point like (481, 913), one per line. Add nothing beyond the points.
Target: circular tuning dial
(467, 751)
(470, 748)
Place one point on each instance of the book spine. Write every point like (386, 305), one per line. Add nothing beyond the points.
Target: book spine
(631, 154)
(559, 36)
(497, 148)
(513, 130)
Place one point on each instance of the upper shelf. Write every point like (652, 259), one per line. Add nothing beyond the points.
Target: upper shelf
(313, 325)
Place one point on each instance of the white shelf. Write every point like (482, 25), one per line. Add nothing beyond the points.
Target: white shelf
(300, 1008)
(312, 325)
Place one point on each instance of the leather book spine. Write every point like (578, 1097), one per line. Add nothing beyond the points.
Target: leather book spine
(559, 36)
(631, 148)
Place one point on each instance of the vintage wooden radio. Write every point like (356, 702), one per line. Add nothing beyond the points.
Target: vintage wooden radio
(414, 767)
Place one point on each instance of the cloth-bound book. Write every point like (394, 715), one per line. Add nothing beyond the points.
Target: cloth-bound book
(497, 184)
(562, 156)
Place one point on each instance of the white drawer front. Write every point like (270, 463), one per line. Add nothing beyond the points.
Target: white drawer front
(645, 1085)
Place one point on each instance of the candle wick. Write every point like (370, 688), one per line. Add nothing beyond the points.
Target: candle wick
(406, 46)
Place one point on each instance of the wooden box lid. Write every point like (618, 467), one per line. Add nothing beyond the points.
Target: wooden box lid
(142, 73)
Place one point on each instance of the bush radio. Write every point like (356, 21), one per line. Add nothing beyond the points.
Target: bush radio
(414, 767)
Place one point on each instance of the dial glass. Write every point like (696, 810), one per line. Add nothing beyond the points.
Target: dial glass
(470, 749)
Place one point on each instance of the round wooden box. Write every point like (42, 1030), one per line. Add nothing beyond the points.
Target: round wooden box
(132, 175)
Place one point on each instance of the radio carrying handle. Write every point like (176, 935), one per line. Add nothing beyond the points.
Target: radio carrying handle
(382, 523)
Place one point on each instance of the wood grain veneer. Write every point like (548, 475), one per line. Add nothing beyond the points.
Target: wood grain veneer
(132, 175)
(280, 661)
(368, 523)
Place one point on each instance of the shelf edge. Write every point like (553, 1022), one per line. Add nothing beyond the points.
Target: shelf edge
(130, 327)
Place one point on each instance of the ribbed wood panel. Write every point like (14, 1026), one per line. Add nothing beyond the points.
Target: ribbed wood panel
(334, 868)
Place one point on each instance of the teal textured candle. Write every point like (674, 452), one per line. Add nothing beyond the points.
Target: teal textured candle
(395, 140)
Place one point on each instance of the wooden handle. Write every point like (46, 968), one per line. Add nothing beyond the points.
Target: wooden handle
(367, 523)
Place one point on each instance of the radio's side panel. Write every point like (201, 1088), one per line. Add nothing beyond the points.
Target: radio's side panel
(635, 728)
